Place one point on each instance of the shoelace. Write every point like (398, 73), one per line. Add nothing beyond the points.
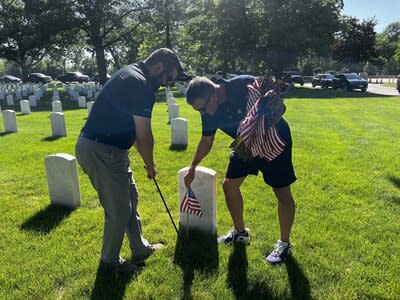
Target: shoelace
(279, 248)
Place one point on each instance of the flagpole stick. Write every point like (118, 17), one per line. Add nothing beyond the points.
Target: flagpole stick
(187, 225)
(166, 207)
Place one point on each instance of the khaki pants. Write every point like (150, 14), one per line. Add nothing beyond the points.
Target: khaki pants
(110, 174)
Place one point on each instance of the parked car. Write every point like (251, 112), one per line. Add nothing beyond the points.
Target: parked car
(97, 77)
(184, 77)
(291, 78)
(349, 82)
(39, 77)
(322, 80)
(9, 78)
(398, 84)
(73, 76)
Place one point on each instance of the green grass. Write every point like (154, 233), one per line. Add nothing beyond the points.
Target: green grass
(345, 236)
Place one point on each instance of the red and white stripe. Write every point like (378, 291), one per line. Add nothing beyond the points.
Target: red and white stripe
(260, 142)
(191, 206)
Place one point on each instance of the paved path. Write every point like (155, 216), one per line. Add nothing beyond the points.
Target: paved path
(374, 88)
(382, 90)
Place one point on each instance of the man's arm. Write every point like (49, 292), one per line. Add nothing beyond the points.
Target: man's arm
(144, 144)
(203, 148)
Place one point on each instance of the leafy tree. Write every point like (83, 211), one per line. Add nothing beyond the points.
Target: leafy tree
(387, 44)
(355, 42)
(29, 30)
(103, 22)
(289, 29)
(197, 46)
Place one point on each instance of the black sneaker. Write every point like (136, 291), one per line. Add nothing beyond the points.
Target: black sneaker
(281, 251)
(234, 236)
(121, 266)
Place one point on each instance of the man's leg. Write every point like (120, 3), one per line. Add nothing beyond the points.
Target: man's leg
(286, 211)
(234, 200)
(137, 243)
(107, 168)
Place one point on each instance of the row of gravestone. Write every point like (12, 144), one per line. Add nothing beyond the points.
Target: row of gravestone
(64, 189)
(57, 120)
(179, 126)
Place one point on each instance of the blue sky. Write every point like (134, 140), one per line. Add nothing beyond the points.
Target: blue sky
(385, 11)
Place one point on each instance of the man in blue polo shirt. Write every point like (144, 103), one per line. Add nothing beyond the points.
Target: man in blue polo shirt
(226, 105)
(121, 118)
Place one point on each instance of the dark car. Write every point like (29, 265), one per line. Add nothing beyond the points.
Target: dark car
(398, 84)
(184, 77)
(97, 77)
(322, 80)
(39, 77)
(290, 78)
(349, 82)
(9, 78)
(73, 76)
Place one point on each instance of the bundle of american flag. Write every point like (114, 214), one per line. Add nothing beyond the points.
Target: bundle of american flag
(257, 134)
(190, 204)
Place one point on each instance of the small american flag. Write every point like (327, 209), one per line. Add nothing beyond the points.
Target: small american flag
(190, 204)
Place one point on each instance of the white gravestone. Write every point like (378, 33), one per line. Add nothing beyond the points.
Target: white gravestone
(10, 121)
(56, 106)
(55, 97)
(89, 106)
(181, 88)
(204, 187)
(62, 179)
(32, 100)
(171, 100)
(10, 100)
(173, 111)
(82, 101)
(179, 132)
(25, 107)
(58, 124)
(18, 95)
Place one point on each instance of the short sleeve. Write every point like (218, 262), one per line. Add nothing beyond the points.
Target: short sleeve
(209, 125)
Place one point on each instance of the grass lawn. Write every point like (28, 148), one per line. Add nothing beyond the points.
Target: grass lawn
(345, 236)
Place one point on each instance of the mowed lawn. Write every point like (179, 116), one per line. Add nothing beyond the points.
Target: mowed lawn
(346, 236)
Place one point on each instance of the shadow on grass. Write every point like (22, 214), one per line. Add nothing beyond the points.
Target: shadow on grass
(109, 284)
(237, 277)
(395, 181)
(303, 92)
(47, 219)
(198, 251)
(299, 284)
(243, 289)
(5, 133)
(51, 138)
(178, 148)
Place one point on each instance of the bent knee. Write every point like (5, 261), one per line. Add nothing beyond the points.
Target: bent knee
(229, 184)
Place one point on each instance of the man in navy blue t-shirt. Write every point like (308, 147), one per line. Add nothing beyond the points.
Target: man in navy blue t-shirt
(224, 105)
(119, 119)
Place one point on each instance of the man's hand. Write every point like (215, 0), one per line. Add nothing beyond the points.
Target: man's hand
(189, 176)
(151, 171)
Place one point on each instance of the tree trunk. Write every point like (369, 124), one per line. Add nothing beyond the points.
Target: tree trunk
(115, 58)
(101, 64)
(24, 71)
(168, 43)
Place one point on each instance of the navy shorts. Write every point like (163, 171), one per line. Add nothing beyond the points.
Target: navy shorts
(277, 173)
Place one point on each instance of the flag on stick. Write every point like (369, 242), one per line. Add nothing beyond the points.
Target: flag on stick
(190, 204)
